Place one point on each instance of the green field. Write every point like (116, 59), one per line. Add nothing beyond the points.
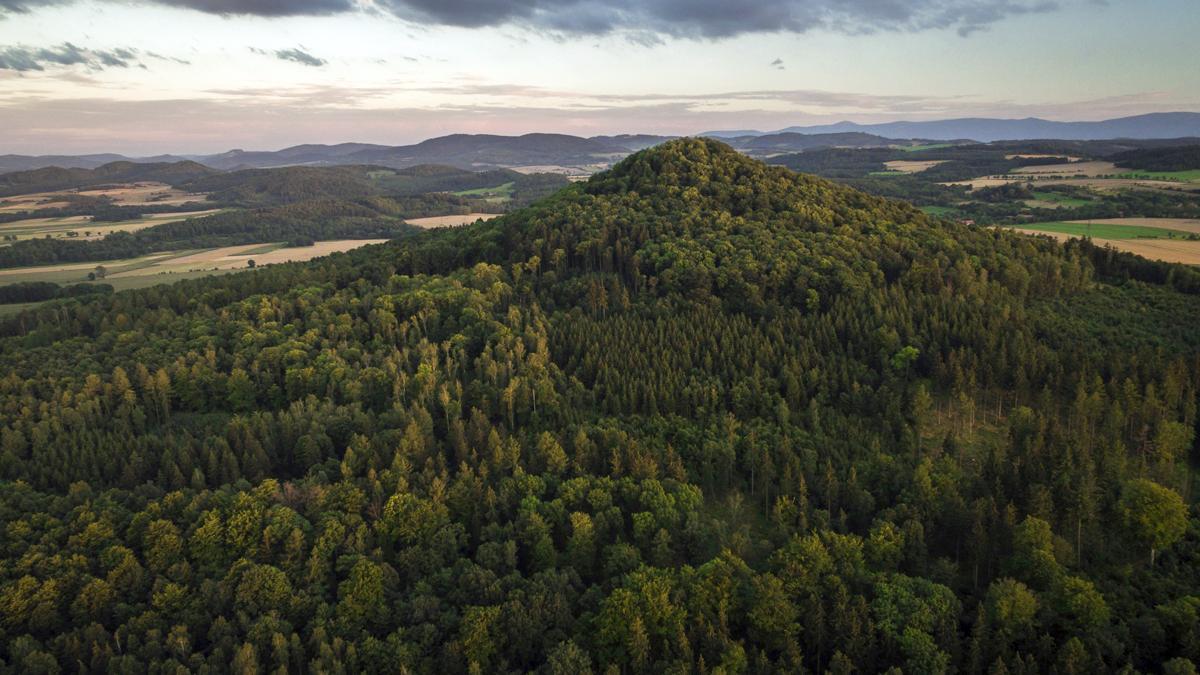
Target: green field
(939, 211)
(1107, 230)
(498, 193)
(929, 146)
(1060, 199)
(887, 174)
(1192, 176)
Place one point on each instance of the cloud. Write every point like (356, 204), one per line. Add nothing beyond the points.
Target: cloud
(24, 59)
(260, 7)
(777, 64)
(295, 55)
(642, 21)
(271, 118)
(717, 18)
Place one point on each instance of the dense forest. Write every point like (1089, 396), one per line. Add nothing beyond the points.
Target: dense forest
(695, 415)
(1184, 158)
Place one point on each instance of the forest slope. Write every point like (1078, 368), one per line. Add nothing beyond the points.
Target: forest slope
(695, 414)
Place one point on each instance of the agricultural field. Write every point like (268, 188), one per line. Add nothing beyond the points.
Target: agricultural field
(912, 166)
(450, 221)
(1174, 240)
(128, 194)
(570, 172)
(173, 266)
(1095, 183)
(495, 195)
(1021, 155)
(1092, 169)
(1107, 230)
(927, 146)
(83, 227)
(1182, 251)
(1186, 225)
(1192, 176)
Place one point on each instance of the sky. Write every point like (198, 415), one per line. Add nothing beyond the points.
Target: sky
(143, 77)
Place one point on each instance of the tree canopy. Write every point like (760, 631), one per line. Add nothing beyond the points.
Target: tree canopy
(697, 414)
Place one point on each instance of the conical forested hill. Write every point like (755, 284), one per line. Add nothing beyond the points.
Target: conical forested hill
(695, 415)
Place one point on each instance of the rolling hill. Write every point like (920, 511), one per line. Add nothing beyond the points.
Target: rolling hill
(56, 178)
(1154, 125)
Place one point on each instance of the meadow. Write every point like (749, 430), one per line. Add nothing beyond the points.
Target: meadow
(1192, 176)
(498, 194)
(1108, 230)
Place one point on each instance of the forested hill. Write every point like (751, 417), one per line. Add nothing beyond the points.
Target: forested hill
(695, 415)
(55, 178)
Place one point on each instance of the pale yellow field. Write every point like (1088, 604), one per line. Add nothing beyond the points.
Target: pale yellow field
(145, 193)
(1097, 183)
(1027, 156)
(1182, 224)
(1166, 250)
(45, 200)
(238, 257)
(1089, 169)
(977, 183)
(568, 171)
(450, 221)
(912, 165)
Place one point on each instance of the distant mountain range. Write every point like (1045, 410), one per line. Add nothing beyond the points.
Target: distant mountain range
(552, 152)
(986, 130)
(574, 154)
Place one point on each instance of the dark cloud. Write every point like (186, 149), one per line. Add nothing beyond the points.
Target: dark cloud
(263, 7)
(717, 18)
(777, 64)
(25, 59)
(645, 19)
(300, 56)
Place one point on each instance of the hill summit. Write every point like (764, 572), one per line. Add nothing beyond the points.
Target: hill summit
(695, 217)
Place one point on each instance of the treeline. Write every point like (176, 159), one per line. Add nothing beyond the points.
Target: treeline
(838, 162)
(695, 415)
(284, 185)
(1186, 158)
(1007, 205)
(37, 291)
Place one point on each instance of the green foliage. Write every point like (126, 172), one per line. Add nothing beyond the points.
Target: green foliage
(696, 414)
(1153, 515)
